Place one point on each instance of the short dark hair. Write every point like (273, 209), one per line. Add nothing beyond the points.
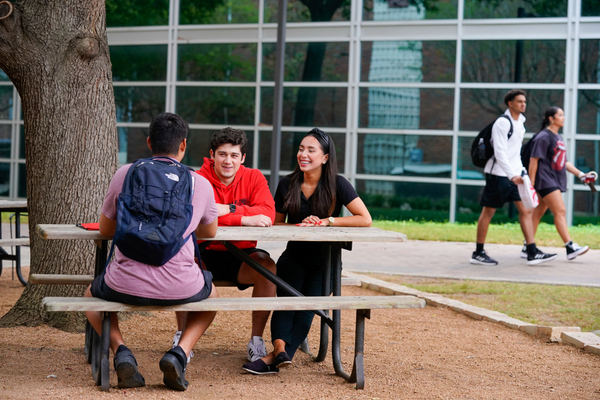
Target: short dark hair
(510, 96)
(167, 131)
(235, 137)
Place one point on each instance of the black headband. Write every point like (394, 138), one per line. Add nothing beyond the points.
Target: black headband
(322, 134)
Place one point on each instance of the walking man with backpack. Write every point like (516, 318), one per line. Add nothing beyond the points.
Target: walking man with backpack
(502, 175)
(147, 209)
(243, 199)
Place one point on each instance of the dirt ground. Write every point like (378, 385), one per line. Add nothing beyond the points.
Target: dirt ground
(430, 353)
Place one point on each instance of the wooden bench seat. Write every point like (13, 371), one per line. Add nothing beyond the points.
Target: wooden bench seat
(99, 345)
(14, 242)
(62, 279)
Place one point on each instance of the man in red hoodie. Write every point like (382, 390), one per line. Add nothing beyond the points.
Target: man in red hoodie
(243, 199)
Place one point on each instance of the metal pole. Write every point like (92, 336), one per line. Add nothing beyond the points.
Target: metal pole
(278, 96)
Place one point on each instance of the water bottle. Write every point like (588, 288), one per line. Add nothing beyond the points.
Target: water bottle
(481, 148)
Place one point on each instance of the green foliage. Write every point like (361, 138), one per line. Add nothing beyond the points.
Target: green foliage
(538, 304)
(509, 8)
(217, 62)
(137, 13)
(218, 12)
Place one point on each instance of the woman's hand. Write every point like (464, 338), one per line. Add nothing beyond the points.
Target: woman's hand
(312, 220)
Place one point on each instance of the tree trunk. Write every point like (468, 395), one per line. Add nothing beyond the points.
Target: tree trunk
(56, 54)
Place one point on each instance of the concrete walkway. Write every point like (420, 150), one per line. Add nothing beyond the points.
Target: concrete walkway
(444, 260)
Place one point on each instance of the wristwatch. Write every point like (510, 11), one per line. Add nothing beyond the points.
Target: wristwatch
(331, 221)
(232, 208)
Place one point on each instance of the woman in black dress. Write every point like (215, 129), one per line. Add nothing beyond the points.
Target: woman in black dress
(313, 195)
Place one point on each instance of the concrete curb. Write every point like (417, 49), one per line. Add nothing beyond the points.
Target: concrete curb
(559, 334)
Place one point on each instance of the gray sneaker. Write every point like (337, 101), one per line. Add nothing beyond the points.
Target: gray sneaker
(256, 349)
(176, 343)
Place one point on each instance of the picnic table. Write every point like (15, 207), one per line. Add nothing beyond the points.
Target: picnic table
(334, 238)
(17, 207)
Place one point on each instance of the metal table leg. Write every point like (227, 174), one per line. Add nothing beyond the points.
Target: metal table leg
(92, 351)
(358, 369)
(18, 249)
(336, 264)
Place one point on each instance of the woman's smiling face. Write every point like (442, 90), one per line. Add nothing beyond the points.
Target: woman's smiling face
(310, 154)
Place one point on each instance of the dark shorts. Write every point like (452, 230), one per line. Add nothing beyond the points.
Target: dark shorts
(498, 190)
(225, 266)
(101, 290)
(545, 192)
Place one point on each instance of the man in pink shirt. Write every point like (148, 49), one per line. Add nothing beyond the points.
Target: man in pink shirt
(180, 280)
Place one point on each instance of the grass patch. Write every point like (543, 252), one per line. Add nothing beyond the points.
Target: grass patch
(537, 304)
(509, 233)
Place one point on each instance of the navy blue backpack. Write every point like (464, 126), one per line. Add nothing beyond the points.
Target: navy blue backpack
(154, 210)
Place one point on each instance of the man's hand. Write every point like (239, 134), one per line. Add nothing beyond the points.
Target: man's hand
(517, 180)
(257, 220)
(222, 209)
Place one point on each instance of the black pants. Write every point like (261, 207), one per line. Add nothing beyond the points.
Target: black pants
(306, 276)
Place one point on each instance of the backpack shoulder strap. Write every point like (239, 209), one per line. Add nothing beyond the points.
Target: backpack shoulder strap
(510, 131)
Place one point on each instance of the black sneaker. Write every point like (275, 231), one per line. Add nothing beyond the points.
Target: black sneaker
(524, 250)
(173, 366)
(574, 250)
(259, 367)
(127, 373)
(540, 257)
(482, 259)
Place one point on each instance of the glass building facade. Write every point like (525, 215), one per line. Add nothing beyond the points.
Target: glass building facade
(403, 86)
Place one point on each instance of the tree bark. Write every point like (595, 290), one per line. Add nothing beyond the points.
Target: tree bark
(56, 54)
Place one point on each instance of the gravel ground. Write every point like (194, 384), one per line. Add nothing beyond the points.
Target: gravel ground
(430, 353)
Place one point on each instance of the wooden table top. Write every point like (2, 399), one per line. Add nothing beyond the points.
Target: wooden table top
(13, 205)
(232, 233)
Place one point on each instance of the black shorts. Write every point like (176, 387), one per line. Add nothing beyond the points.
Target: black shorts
(101, 290)
(545, 192)
(225, 266)
(498, 190)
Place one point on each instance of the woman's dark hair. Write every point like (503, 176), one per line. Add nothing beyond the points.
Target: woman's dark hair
(323, 199)
(550, 112)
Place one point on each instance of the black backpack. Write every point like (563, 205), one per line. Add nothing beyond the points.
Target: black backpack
(154, 210)
(526, 152)
(481, 148)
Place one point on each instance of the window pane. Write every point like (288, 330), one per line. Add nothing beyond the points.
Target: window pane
(406, 108)
(139, 104)
(216, 105)
(408, 61)
(217, 62)
(139, 63)
(408, 155)
(5, 141)
(495, 61)
(6, 102)
(467, 204)
(298, 12)
(588, 112)
(308, 62)
(589, 60)
(322, 107)
(21, 142)
(3, 76)
(587, 156)
(405, 200)
(137, 12)
(586, 208)
(196, 12)
(479, 107)
(4, 179)
(515, 8)
(132, 144)
(401, 10)
(198, 147)
(466, 169)
(590, 8)
(290, 141)
(22, 182)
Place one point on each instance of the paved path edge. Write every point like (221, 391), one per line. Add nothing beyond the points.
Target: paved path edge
(558, 334)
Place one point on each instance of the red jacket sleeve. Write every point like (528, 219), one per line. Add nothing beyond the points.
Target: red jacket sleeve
(260, 201)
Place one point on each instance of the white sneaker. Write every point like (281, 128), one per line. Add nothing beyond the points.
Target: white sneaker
(574, 250)
(176, 343)
(256, 349)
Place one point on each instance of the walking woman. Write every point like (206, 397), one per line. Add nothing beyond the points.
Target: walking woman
(313, 195)
(548, 168)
